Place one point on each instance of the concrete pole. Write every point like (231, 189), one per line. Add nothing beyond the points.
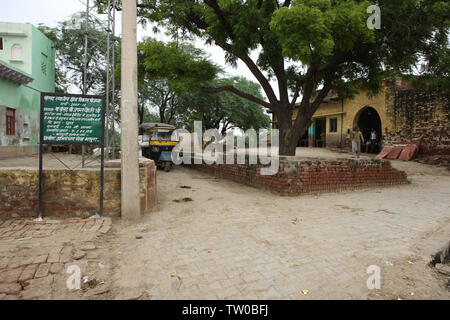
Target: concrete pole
(86, 32)
(108, 61)
(113, 82)
(128, 115)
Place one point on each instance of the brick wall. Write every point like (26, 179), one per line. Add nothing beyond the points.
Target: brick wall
(69, 193)
(422, 116)
(297, 176)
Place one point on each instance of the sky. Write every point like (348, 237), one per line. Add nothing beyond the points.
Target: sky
(50, 12)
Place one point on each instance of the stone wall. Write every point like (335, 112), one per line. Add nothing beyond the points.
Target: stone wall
(302, 176)
(422, 116)
(69, 193)
(17, 151)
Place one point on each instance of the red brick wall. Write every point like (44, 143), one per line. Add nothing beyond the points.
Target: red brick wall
(297, 177)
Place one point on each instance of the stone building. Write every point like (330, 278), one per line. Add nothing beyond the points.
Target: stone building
(398, 113)
(27, 68)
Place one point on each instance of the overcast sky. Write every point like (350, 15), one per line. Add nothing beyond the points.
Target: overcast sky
(50, 12)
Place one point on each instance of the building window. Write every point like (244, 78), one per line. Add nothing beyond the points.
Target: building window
(1, 43)
(333, 124)
(16, 52)
(10, 122)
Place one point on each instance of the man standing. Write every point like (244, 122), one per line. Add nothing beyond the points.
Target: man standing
(357, 138)
(373, 141)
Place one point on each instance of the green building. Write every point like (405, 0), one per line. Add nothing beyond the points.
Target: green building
(27, 68)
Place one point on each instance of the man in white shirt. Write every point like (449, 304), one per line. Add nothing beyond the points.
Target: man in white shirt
(373, 140)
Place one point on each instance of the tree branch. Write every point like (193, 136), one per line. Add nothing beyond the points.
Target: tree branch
(323, 93)
(307, 109)
(267, 87)
(280, 73)
(295, 97)
(239, 93)
(221, 16)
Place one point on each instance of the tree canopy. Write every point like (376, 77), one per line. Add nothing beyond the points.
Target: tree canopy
(179, 81)
(69, 44)
(224, 110)
(312, 46)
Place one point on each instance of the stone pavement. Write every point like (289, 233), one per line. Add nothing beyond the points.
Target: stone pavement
(236, 242)
(34, 256)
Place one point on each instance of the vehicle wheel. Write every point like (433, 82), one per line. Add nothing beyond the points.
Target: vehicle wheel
(167, 167)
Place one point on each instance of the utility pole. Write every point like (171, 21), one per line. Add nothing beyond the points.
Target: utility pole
(108, 43)
(130, 201)
(86, 31)
(113, 102)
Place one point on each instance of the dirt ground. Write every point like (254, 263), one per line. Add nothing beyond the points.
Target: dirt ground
(211, 238)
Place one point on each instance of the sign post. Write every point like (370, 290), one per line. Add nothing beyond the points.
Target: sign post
(72, 119)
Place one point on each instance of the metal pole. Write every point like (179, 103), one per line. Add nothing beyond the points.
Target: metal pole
(41, 138)
(85, 67)
(130, 201)
(107, 77)
(113, 82)
(102, 162)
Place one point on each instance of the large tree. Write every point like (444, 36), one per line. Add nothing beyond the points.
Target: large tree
(165, 73)
(179, 81)
(238, 112)
(69, 40)
(157, 94)
(312, 46)
(223, 110)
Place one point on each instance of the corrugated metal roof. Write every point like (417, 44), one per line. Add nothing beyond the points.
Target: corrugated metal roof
(13, 75)
(151, 125)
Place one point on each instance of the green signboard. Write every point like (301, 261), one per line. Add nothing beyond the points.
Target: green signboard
(72, 119)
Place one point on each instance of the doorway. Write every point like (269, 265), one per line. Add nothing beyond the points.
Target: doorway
(369, 119)
(320, 134)
(303, 142)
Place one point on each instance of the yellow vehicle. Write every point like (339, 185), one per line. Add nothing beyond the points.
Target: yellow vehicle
(155, 140)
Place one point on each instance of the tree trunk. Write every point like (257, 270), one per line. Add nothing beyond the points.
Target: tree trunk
(287, 140)
(141, 114)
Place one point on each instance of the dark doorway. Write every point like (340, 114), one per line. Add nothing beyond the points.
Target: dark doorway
(303, 142)
(320, 134)
(368, 120)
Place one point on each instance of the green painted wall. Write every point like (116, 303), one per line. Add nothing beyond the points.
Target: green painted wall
(39, 63)
(16, 33)
(43, 62)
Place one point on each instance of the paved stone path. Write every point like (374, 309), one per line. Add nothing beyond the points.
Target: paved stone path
(237, 242)
(34, 256)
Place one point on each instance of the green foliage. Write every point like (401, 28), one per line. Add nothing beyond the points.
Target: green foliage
(225, 109)
(182, 65)
(157, 94)
(239, 112)
(171, 78)
(326, 42)
(69, 44)
(319, 33)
